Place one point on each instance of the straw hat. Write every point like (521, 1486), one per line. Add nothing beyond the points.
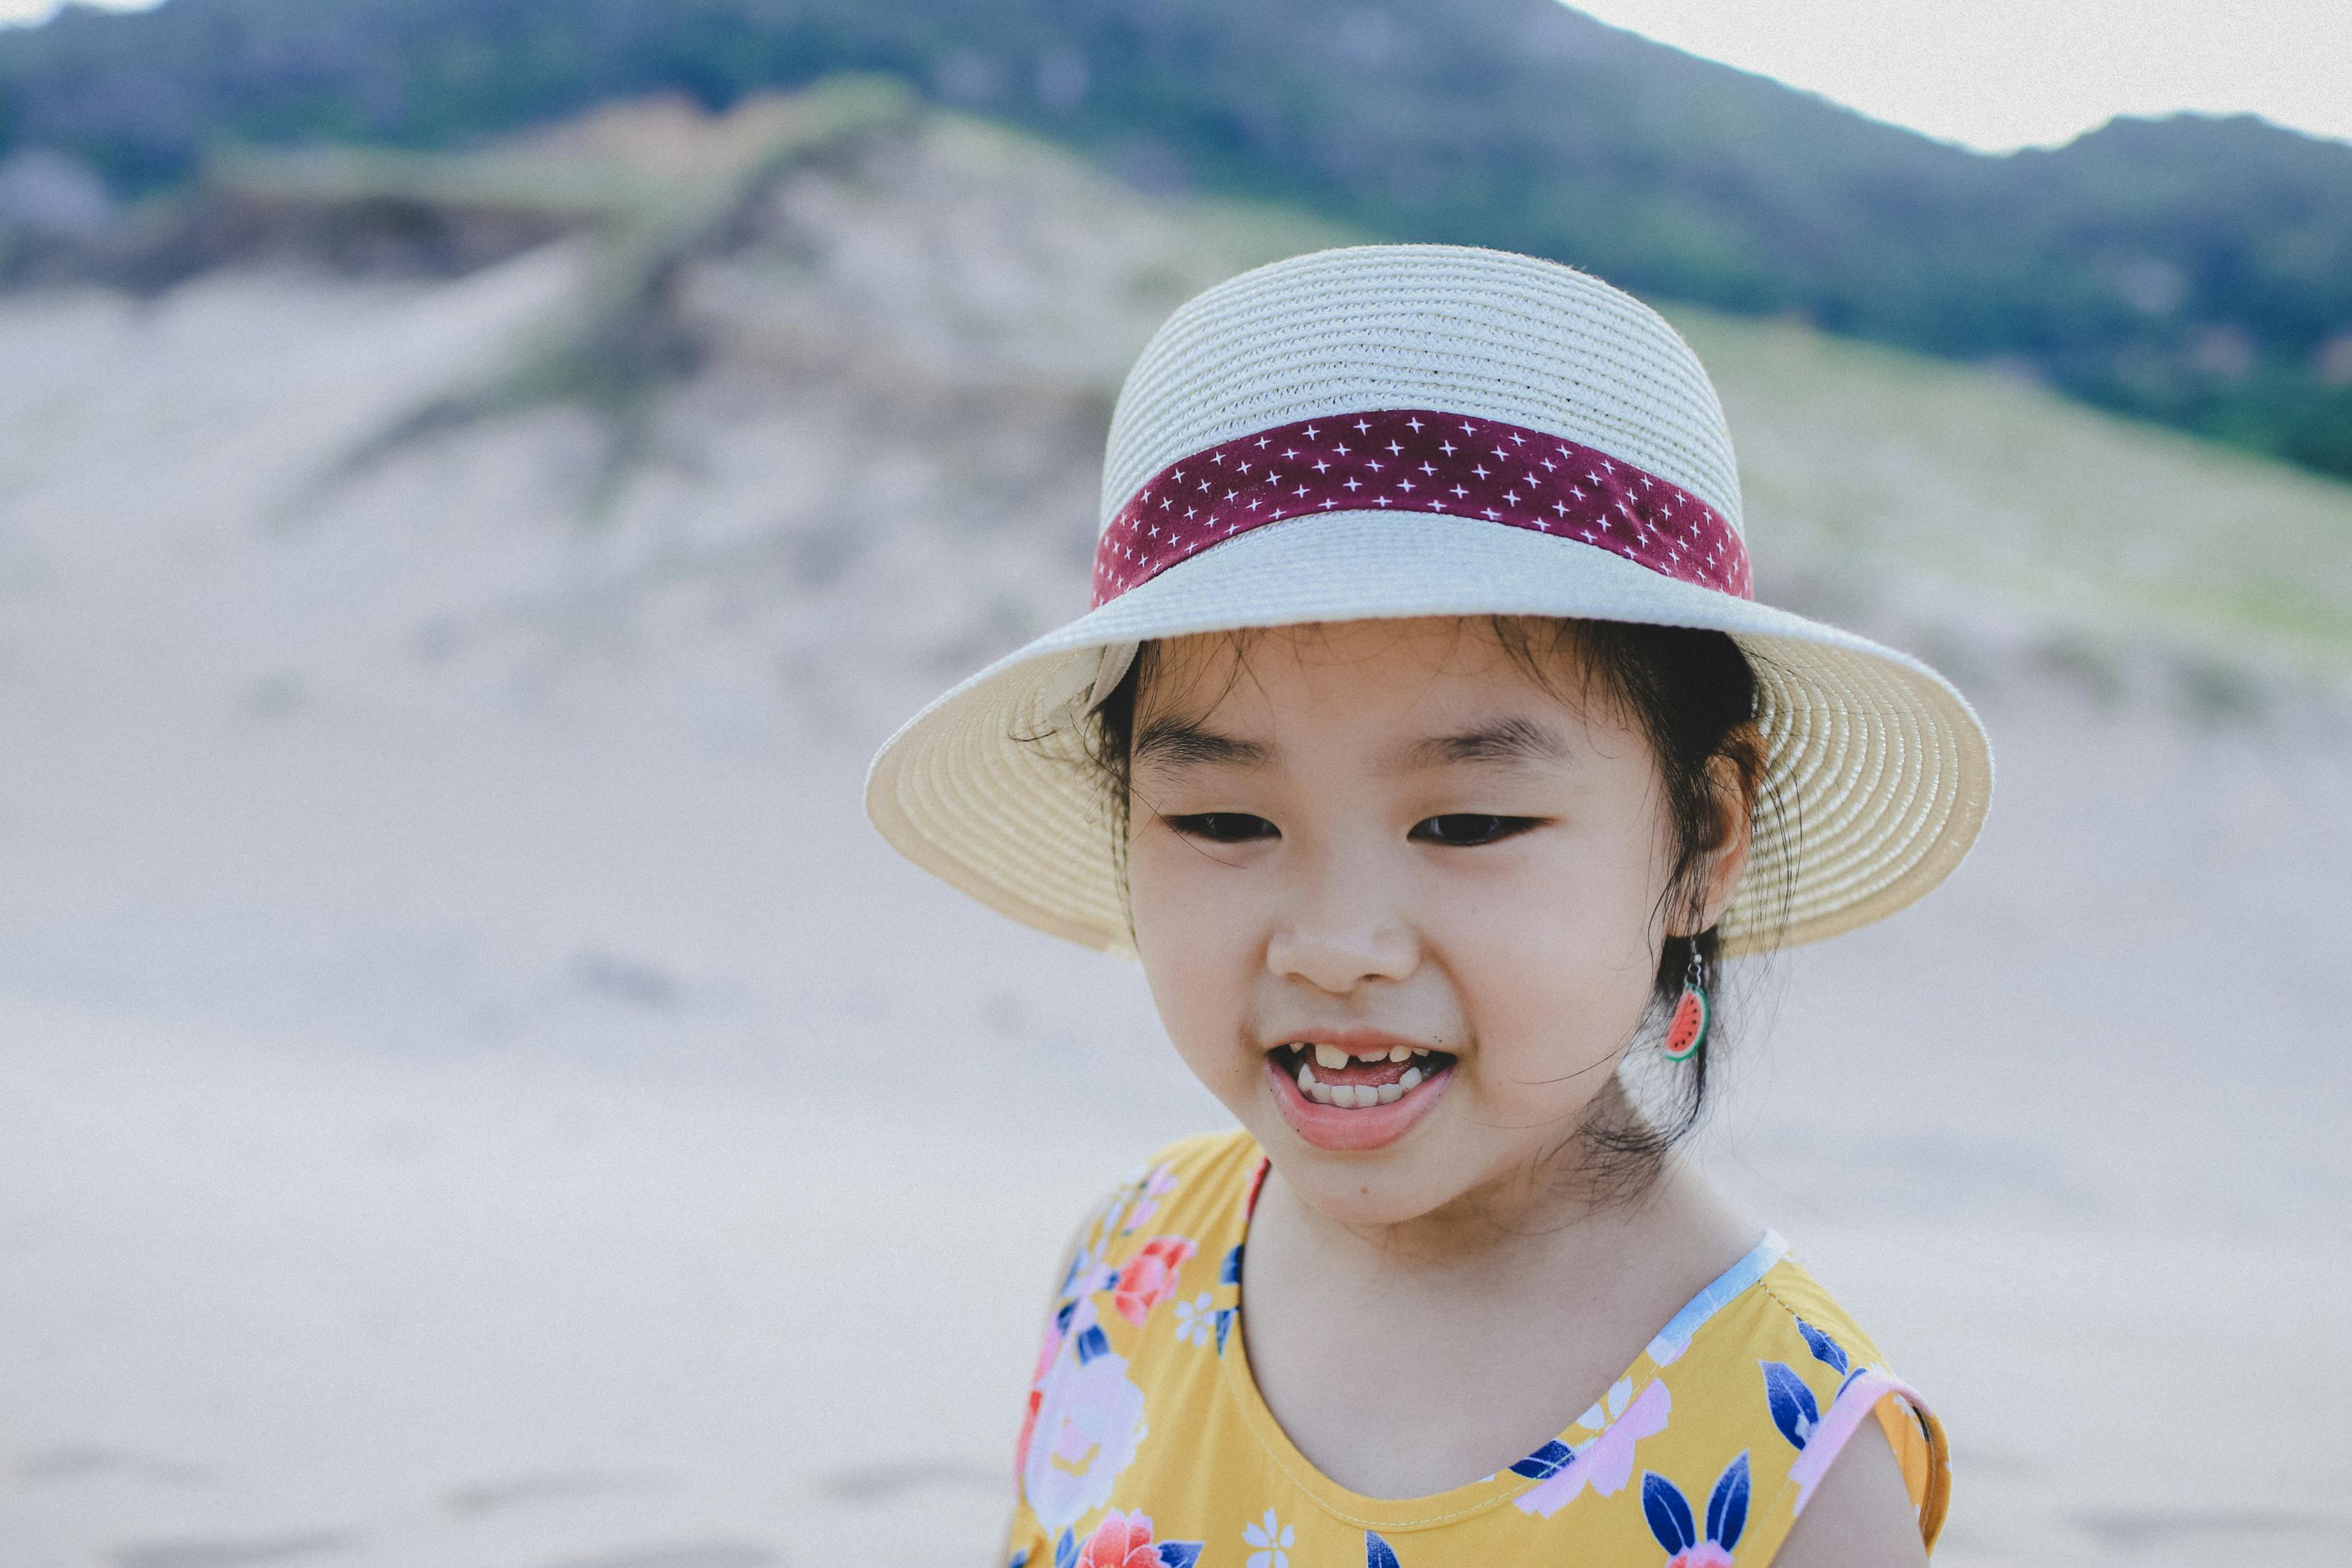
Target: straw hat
(1419, 430)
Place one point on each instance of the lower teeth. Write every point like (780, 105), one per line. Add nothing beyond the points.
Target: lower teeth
(1357, 1095)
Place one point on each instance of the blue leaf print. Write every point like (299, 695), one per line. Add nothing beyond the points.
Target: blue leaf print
(1062, 1318)
(1824, 1348)
(1727, 1506)
(1231, 1273)
(1092, 1343)
(1378, 1554)
(1066, 1551)
(1669, 1515)
(1020, 1559)
(1545, 1462)
(1793, 1410)
(1179, 1554)
(1224, 1327)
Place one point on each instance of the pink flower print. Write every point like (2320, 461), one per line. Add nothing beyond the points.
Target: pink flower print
(1120, 1541)
(1705, 1555)
(1028, 1431)
(1150, 1277)
(1088, 1423)
(1056, 1330)
(1157, 1184)
(1608, 1459)
(1607, 1462)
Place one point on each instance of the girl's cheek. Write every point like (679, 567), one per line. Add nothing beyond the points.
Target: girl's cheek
(1199, 963)
(1550, 986)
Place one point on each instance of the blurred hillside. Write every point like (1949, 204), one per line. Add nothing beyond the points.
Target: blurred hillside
(477, 1095)
(967, 298)
(2192, 271)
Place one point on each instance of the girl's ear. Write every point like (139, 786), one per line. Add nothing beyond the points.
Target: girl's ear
(1733, 780)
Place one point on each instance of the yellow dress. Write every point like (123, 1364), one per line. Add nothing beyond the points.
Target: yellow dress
(1147, 1444)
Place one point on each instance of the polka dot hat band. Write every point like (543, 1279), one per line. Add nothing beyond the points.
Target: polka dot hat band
(1414, 430)
(1418, 459)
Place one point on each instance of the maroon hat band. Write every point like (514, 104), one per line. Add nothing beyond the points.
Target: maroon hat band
(1413, 459)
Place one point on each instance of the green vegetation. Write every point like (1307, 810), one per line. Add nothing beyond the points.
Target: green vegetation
(2193, 271)
(1861, 463)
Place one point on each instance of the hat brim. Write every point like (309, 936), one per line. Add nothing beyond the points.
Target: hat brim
(1878, 772)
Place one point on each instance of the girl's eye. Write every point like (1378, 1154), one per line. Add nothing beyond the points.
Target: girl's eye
(1470, 827)
(1224, 827)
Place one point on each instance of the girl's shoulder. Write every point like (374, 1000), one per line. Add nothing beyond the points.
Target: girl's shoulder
(1785, 1373)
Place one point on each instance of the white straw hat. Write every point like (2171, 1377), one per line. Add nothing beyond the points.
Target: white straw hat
(1432, 431)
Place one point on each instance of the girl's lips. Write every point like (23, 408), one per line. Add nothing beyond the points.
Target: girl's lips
(1345, 1128)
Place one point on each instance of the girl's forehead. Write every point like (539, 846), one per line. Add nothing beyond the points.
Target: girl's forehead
(1385, 684)
(1390, 663)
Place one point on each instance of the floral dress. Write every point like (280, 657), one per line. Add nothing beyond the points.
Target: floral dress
(1147, 1444)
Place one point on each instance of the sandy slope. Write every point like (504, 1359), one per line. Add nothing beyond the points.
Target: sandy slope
(472, 1090)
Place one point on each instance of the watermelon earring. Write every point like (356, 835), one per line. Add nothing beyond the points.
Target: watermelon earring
(1688, 1032)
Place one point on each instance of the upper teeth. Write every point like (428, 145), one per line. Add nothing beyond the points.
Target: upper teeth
(1333, 1056)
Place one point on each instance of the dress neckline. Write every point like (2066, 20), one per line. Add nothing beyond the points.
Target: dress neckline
(1665, 1347)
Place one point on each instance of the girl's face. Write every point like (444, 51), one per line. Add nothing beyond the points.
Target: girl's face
(1399, 906)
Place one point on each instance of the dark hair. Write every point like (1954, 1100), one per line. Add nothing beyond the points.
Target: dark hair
(1694, 694)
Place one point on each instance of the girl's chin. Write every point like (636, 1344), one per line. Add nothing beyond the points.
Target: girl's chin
(1352, 1129)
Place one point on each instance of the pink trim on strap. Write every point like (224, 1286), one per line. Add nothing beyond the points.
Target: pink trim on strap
(1856, 1400)
(1413, 459)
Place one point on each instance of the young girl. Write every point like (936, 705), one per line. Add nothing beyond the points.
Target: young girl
(1426, 745)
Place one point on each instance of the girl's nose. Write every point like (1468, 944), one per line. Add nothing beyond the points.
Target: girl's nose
(1337, 938)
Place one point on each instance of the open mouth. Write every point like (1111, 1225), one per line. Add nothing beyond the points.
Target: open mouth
(1327, 1075)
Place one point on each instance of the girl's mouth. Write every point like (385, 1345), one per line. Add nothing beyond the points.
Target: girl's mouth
(1336, 1099)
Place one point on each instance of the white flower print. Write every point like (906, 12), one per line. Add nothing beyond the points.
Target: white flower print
(1611, 1406)
(1194, 1321)
(1090, 1420)
(1274, 1538)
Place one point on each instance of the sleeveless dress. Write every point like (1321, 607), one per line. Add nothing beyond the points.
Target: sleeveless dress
(1147, 1446)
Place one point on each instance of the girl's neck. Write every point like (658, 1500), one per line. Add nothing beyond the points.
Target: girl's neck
(1525, 1222)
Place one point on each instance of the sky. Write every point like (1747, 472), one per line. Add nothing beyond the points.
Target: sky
(1993, 74)
(2001, 74)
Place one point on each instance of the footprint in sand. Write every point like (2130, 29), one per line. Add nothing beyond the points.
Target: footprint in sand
(72, 1464)
(496, 1496)
(694, 1555)
(2139, 1531)
(877, 1483)
(245, 1553)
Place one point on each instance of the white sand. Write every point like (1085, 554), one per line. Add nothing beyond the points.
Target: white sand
(473, 1092)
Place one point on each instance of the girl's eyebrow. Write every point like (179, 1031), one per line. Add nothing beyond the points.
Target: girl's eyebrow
(1182, 743)
(1503, 741)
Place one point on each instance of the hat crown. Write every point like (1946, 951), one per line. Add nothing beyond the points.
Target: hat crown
(1483, 333)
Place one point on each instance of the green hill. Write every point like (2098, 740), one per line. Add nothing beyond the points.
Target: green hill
(2192, 271)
